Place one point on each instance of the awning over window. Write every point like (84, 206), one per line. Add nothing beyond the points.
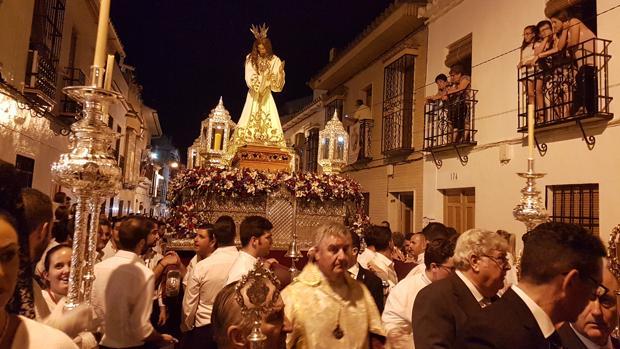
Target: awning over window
(552, 7)
(458, 51)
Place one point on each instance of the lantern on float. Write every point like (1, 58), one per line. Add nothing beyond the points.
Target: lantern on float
(215, 135)
(333, 146)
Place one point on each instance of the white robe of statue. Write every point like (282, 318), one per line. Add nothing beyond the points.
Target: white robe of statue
(260, 121)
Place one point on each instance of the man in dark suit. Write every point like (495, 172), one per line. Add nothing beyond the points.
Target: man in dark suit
(373, 282)
(561, 270)
(442, 308)
(596, 322)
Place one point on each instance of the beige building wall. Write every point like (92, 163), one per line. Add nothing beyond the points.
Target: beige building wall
(497, 29)
(362, 65)
(22, 134)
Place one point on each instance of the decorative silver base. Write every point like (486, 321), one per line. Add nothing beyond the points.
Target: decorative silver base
(531, 211)
(91, 171)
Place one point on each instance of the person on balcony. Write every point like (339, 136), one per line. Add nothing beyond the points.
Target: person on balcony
(457, 102)
(362, 111)
(556, 65)
(527, 60)
(581, 41)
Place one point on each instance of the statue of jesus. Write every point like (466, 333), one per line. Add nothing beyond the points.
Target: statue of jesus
(264, 73)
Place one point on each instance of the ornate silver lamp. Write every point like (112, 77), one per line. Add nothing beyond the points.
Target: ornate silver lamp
(215, 135)
(257, 294)
(530, 210)
(89, 168)
(294, 254)
(333, 146)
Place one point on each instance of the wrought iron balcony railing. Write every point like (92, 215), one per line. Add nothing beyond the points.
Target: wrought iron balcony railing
(449, 123)
(69, 108)
(41, 75)
(569, 86)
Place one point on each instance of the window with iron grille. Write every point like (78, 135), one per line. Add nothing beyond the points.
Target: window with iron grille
(335, 105)
(574, 203)
(45, 43)
(312, 150)
(398, 105)
(25, 169)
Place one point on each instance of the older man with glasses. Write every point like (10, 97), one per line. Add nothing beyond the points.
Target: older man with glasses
(397, 314)
(561, 272)
(594, 326)
(441, 309)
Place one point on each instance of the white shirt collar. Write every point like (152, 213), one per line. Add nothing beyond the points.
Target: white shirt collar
(420, 259)
(542, 319)
(126, 254)
(354, 270)
(246, 255)
(470, 285)
(382, 259)
(588, 342)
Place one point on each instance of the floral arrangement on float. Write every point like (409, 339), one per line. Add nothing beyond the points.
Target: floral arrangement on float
(249, 183)
(187, 190)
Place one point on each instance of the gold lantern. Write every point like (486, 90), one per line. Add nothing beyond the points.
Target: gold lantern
(333, 146)
(215, 135)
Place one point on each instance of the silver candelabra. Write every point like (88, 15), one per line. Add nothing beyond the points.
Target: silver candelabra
(91, 171)
(530, 209)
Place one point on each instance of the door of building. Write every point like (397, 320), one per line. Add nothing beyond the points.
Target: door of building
(460, 208)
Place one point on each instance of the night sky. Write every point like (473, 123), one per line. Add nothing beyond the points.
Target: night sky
(189, 52)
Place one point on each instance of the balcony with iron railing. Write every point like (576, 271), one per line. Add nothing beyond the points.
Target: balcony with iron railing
(69, 108)
(449, 123)
(360, 141)
(41, 75)
(569, 87)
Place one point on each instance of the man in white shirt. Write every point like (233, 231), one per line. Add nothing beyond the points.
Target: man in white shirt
(112, 245)
(433, 231)
(256, 240)
(399, 305)
(417, 247)
(561, 269)
(593, 327)
(123, 291)
(208, 278)
(204, 245)
(382, 264)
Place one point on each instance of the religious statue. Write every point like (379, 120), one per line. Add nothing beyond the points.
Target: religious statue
(264, 73)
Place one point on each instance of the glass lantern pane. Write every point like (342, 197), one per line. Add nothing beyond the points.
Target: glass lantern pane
(339, 148)
(325, 148)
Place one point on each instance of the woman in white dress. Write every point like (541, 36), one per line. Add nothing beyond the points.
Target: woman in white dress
(16, 331)
(264, 74)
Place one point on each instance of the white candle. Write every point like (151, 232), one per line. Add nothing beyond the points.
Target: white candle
(102, 33)
(109, 70)
(530, 130)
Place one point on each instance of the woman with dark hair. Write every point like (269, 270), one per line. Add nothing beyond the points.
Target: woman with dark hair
(264, 74)
(20, 332)
(527, 59)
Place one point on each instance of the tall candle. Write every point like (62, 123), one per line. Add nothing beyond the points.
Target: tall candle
(109, 70)
(102, 33)
(530, 130)
(218, 141)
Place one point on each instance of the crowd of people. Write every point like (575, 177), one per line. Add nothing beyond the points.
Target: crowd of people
(558, 66)
(432, 289)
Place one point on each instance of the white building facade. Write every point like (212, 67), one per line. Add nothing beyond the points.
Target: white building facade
(478, 185)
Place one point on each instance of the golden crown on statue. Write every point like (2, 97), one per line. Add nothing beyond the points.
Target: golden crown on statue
(260, 32)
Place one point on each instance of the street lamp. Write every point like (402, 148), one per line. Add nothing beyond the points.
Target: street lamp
(333, 146)
(174, 164)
